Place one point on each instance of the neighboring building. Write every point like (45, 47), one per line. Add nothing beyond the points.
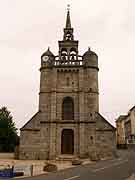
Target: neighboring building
(132, 117)
(130, 126)
(68, 121)
(120, 133)
(126, 128)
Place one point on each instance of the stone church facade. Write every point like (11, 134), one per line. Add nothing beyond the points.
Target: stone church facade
(68, 121)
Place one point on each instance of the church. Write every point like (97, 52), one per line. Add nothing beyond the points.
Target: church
(68, 122)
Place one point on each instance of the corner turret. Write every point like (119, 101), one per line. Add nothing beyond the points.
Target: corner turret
(47, 58)
(90, 58)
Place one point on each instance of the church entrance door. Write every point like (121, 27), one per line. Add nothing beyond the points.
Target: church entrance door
(67, 141)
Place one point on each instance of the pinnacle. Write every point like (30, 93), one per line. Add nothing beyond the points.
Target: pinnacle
(68, 21)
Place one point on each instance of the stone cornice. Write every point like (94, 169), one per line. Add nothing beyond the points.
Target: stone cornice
(67, 122)
(105, 130)
(94, 92)
(63, 66)
(30, 129)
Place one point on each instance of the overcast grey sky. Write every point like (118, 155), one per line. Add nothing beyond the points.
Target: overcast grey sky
(28, 27)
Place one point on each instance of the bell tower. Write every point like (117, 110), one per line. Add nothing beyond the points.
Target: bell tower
(68, 47)
(69, 96)
(68, 122)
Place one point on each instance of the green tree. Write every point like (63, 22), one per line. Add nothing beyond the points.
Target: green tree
(8, 131)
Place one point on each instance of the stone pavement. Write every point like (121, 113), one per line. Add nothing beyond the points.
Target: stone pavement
(132, 177)
(38, 164)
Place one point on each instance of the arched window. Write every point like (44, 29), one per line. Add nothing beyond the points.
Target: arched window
(73, 50)
(64, 54)
(69, 36)
(73, 54)
(68, 82)
(68, 109)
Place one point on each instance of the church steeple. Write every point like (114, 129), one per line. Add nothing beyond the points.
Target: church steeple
(68, 47)
(68, 21)
(68, 30)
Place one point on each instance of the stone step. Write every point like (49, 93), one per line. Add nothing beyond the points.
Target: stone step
(66, 157)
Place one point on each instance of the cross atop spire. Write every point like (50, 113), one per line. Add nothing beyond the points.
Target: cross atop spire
(68, 21)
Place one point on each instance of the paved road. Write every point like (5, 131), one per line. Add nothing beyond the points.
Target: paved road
(118, 169)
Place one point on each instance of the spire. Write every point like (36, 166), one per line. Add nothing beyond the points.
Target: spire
(68, 47)
(68, 31)
(68, 21)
